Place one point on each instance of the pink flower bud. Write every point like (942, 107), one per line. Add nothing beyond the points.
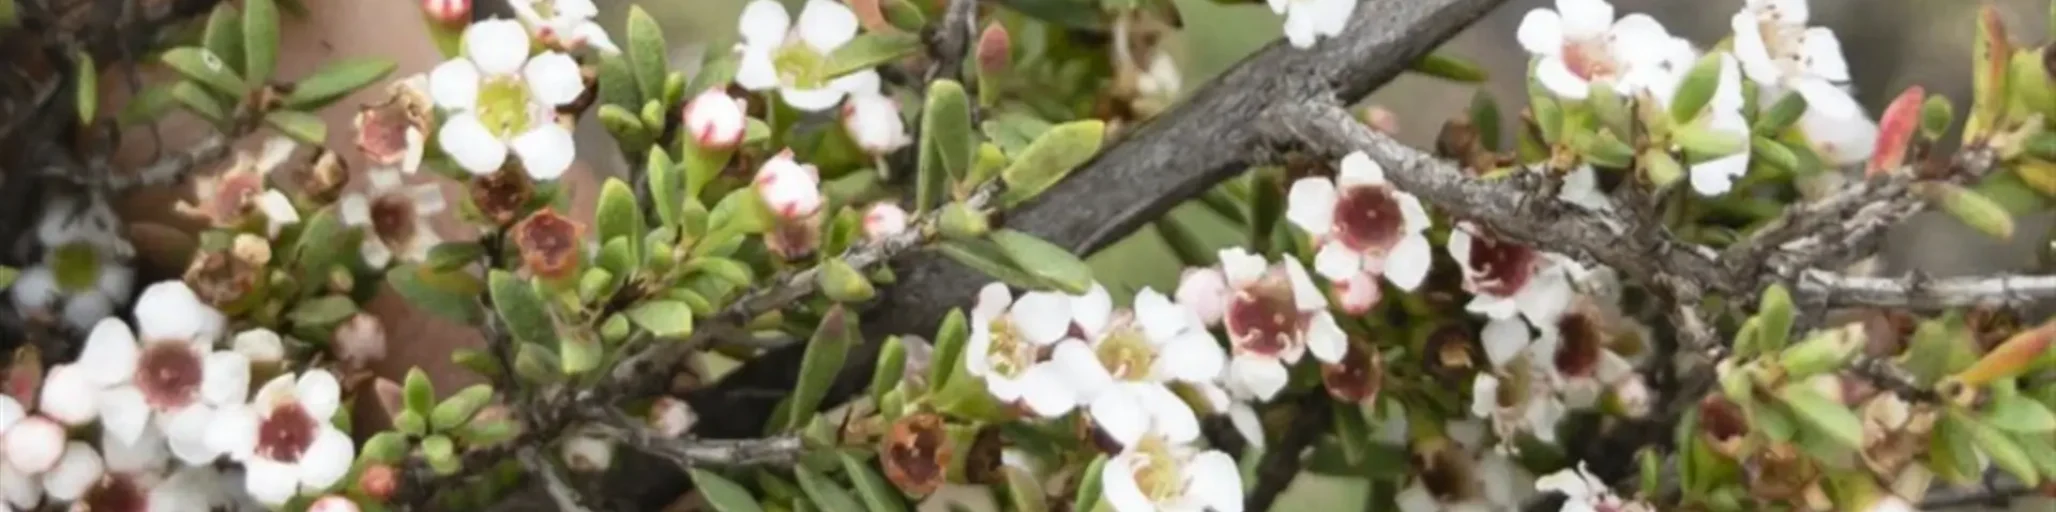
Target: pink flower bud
(716, 120)
(360, 340)
(333, 503)
(873, 121)
(672, 417)
(995, 50)
(1205, 290)
(790, 189)
(447, 11)
(1358, 294)
(883, 220)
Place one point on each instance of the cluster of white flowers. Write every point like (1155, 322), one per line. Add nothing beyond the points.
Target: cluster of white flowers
(1584, 492)
(1580, 44)
(1056, 353)
(163, 391)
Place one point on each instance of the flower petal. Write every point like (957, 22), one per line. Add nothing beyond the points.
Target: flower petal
(826, 25)
(271, 483)
(1117, 478)
(1827, 98)
(1556, 75)
(1047, 392)
(190, 488)
(1192, 357)
(319, 392)
(1541, 32)
(226, 378)
(1545, 297)
(496, 46)
(1304, 293)
(1325, 338)
(110, 353)
(191, 432)
(1118, 414)
(1244, 419)
(764, 23)
(1168, 414)
(1484, 395)
(553, 78)
(1585, 17)
(326, 459)
(20, 488)
(755, 70)
(1161, 320)
(1240, 267)
(1216, 479)
(170, 311)
(145, 454)
(76, 472)
(1311, 205)
(1822, 53)
(33, 445)
(124, 414)
(1262, 377)
(546, 151)
(454, 85)
(69, 395)
(1503, 339)
(1093, 310)
(11, 412)
(1409, 261)
(1081, 370)
(1359, 170)
(474, 147)
(234, 433)
(1042, 317)
(810, 100)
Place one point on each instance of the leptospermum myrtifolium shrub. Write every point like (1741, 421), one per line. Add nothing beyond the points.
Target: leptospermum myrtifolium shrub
(1643, 300)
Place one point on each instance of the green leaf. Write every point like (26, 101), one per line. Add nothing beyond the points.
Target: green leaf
(2041, 449)
(667, 186)
(1780, 116)
(454, 255)
(1484, 114)
(441, 453)
(674, 90)
(458, 409)
(578, 352)
(841, 282)
(2005, 454)
(892, 367)
(987, 258)
(1697, 89)
(825, 493)
(1051, 157)
(663, 318)
(336, 80)
(1054, 265)
(947, 142)
(537, 363)
(148, 105)
(1447, 67)
(384, 448)
(260, 39)
(616, 80)
(1702, 141)
(203, 66)
(950, 339)
(88, 90)
(224, 35)
(1776, 314)
(521, 308)
(723, 494)
(617, 216)
(418, 393)
(879, 495)
(1013, 131)
(721, 268)
(1089, 485)
(1024, 490)
(1973, 209)
(478, 361)
(625, 125)
(825, 353)
(452, 295)
(301, 126)
(645, 53)
(742, 212)
(2018, 413)
(1939, 113)
(871, 49)
(198, 101)
(1952, 449)
(1827, 417)
(322, 312)
(8, 275)
(411, 423)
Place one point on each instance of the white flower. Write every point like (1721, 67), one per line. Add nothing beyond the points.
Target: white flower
(873, 121)
(1584, 492)
(395, 131)
(1363, 224)
(1204, 291)
(1120, 369)
(1839, 140)
(790, 189)
(1506, 278)
(884, 220)
(260, 345)
(1158, 474)
(1580, 42)
(75, 472)
(1308, 20)
(65, 221)
(564, 23)
(1779, 51)
(285, 437)
(1522, 402)
(395, 217)
(1007, 339)
(173, 376)
(1357, 294)
(33, 445)
(89, 283)
(1464, 476)
(226, 199)
(1724, 114)
(501, 100)
(1276, 316)
(333, 503)
(135, 476)
(716, 120)
(793, 59)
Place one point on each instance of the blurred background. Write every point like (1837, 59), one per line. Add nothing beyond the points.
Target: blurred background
(1890, 45)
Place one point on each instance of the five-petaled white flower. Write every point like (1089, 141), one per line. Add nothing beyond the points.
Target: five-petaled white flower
(1779, 51)
(173, 375)
(873, 121)
(1506, 278)
(1839, 140)
(1363, 224)
(1580, 42)
(1121, 366)
(1461, 474)
(794, 59)
(716, 120)
(792, 190)
(1585, 492)
(1156, 473)
(395, 217)
(564, 24)
(134, 478)
(285, 439)
(1306, 21)
(85, 272)
(1008, 337)
(1274, 316)
(502, 99)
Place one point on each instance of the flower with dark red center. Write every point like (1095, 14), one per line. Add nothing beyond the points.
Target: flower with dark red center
(1507, 278)
(228, 199)
(1364, 226)
(549, 243)
(1274, 317)
(917, 453)
(394, 132)
(1358, 377)
(173, 375)
(284, 437)
(1580, 43)
(1582, 356)
(395, 218)
(502, 196)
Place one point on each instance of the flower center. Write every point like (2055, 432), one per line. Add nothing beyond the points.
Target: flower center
(800, 66)
(1156, 471)
(1590, 58)
(503, 105)
(76, 265)
(1499, 268)
(168, 372)
(1583, 342)
(285, 434)
(392, 216)
(116, 493)
(548, 242)
(1010, 354)
(1721, 419)
(382, 135)
(233, 193)
(1368, 218)
(1264, 318)
(1126, 353)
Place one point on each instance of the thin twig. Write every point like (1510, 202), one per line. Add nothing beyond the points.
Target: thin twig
(566, 497)
(949, 42)
(1281, 462)
(689, 453)
(174, 167)
(1920, 292)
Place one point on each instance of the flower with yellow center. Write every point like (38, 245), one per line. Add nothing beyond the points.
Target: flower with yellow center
(1121, 366)
(1008, 339)
(1157, 474)
(501, 99)
(794, 59)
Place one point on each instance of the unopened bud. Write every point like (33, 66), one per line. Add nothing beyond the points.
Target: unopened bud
(449, 12)
(587, 454)
(672, 417)
(1822, 352)
(360, 340)
(791, 190)
(884, 220)
(378, 481)
(995, 50)
(261, 346)
(716, 120)
(333, 503)
(1357, 294)
(873, 122)
(2010, 358)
